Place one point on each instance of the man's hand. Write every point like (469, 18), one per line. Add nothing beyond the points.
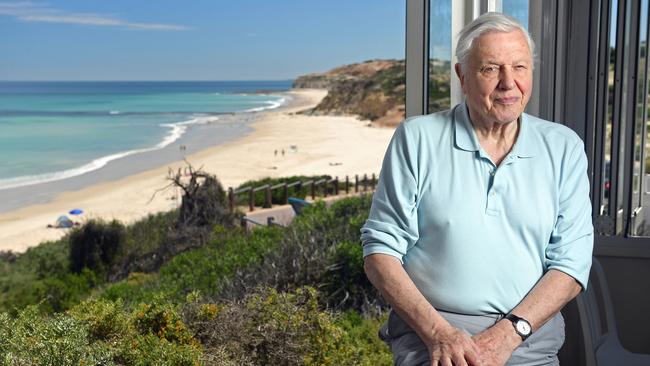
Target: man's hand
(497, 343)
(451, 346)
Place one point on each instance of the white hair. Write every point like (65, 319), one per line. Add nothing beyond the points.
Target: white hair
(486, 23)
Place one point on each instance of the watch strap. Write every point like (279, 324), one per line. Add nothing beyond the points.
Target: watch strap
(514, 319)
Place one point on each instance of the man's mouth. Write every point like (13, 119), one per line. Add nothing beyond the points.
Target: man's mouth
(507, 100)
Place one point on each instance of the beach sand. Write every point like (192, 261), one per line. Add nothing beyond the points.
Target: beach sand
(334, 145)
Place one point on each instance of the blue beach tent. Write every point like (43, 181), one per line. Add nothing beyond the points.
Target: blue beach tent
(64, 222)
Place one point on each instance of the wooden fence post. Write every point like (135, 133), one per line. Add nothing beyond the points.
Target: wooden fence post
(372, 182)
(336, 186)
(251, 199)
(347, 185)
(286, 193)
(313, 189)
(231, 200)
(356, 183)
(365, 182)
(268, 199)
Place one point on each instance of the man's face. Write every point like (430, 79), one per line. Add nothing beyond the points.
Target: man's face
(499, 77)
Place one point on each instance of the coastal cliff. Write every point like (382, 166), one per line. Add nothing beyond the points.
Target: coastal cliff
(374, 90)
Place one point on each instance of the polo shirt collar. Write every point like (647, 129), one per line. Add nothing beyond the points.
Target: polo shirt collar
(466, 139)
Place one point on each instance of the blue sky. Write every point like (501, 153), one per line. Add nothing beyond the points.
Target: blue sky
(193, 39)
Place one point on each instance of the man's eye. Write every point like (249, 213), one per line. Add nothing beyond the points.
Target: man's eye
(488, 70)
(520, 67)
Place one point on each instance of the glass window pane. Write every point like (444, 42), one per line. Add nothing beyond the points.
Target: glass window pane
(609, 117)
(439, 56)
(518, 9)
(641, 98)
(639, 179)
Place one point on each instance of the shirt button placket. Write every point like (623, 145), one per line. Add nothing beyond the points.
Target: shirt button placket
(491, 208)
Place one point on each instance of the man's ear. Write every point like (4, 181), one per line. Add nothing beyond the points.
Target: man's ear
(459, 72)
(461, 77)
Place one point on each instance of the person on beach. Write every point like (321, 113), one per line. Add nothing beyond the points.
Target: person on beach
(480, 228)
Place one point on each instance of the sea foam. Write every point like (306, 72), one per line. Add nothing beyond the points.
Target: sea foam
(176, 132)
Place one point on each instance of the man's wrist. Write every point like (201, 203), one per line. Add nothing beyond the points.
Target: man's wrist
(509, 334)
(441, 326)
(521, 326)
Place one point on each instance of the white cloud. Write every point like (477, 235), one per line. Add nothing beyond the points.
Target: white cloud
(28, 11)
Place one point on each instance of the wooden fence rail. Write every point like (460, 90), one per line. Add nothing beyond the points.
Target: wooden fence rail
(322, 185)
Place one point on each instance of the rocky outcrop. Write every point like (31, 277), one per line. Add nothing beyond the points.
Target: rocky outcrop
(374, 90)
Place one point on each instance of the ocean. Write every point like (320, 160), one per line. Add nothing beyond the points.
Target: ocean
(50, 131)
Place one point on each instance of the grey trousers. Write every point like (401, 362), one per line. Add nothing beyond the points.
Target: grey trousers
(540, 348)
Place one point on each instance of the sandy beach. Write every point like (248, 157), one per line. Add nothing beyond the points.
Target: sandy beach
(281, 143)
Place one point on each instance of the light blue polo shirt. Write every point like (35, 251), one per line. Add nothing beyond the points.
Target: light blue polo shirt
(476, 238)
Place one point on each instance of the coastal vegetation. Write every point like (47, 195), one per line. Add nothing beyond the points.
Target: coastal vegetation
(375, 90)
(191, 287)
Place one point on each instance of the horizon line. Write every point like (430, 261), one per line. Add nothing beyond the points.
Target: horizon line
(134, 80)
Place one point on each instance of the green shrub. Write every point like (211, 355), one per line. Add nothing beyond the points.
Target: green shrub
(350, 207)
(32, 339)
(206, 268)
(149, 350)
(320, 248)
(153, 334)
(163, 320)
(65, 290)
(268, 327)
(345, 281)
(147, 235)
(272, 328)
(45, 260)
(95, 245)
(105, 320)
(365, 347)
(137, 288)
(23, 276)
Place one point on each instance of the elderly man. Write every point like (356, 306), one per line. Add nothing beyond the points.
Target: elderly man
(480, 229)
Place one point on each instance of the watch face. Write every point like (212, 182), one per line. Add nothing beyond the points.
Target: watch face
(523, 327)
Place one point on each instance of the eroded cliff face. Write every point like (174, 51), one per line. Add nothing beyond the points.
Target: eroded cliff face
(374, 90)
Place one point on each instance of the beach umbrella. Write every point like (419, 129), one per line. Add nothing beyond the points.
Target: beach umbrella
(76, 211)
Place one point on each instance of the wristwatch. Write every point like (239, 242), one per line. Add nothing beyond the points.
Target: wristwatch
(522, 326)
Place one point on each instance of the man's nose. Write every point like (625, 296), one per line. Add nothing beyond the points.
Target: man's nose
(506, 78)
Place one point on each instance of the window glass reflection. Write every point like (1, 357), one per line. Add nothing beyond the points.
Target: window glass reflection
(439, 56)
(609, 117)
(517, 9)
(641, 162)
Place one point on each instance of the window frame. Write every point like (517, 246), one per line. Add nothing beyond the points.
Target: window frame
(572, 39)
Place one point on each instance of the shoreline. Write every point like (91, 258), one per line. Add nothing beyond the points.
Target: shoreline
(196, 137)
(335, 145)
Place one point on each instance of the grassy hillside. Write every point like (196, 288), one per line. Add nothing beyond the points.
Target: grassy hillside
(166, 292)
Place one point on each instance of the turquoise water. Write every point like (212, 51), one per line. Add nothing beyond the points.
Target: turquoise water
(51, 131)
